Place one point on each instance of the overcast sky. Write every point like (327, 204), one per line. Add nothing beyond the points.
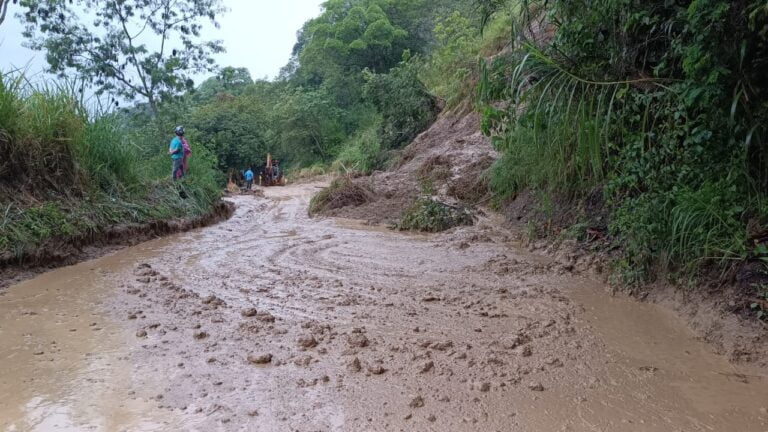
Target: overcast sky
(258, 35)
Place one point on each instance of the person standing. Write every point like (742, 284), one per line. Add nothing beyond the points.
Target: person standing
(176, 150)
(187, 152)
(248, 180)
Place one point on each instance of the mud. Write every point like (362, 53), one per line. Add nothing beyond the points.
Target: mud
(272, 321)
(59, 252)
(448, 160)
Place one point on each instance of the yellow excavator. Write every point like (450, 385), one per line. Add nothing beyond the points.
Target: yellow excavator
(271, 174)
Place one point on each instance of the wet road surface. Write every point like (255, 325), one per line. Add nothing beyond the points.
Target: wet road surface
(272, 321)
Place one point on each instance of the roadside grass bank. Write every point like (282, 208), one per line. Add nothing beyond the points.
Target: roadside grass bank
(656, 149)
(70, 175)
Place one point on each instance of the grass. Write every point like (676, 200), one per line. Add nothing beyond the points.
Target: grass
(67, 172)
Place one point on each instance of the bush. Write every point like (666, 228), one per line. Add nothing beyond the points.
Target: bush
(429, 215)
(648, 101)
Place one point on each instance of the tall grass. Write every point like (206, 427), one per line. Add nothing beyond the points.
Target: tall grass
(67, 170)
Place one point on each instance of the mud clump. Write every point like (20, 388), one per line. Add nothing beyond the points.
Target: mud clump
(307, 341)
(213, 301)
(354, 366)
(200, 335)
(261, 359)
(358, 340)
(536, 386)
(248, 313)
(265, 317)
(417, 402)
(376, 370)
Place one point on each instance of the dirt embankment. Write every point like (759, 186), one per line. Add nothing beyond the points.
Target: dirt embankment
(58, 252)
(448, 161)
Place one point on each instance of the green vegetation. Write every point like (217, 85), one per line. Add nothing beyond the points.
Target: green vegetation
(131, 49)
(67, 173)
(661, 105)
(366, 77)
(429, 215)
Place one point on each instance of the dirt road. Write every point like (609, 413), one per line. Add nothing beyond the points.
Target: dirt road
(272, 321)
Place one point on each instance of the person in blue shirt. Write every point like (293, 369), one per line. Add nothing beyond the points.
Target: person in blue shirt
(248, 179)
(176, 150)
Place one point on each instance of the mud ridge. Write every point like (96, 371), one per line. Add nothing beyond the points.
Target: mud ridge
(64, 251)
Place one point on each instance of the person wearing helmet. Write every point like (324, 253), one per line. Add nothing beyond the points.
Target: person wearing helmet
(176, 151)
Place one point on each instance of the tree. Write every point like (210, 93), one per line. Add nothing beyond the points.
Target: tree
(132, 49)
(229, 80)
(4, 9)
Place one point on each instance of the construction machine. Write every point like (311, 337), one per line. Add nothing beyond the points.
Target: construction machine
(271, 174)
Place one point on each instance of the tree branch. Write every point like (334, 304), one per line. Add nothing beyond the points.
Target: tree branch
(3, 9)
(149, 90)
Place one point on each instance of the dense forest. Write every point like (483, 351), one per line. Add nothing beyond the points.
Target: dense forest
(648, 116)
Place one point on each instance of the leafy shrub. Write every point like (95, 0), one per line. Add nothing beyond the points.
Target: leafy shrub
(649, 101)
(429, 215)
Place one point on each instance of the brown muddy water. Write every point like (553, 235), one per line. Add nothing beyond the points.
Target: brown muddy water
(272, 321)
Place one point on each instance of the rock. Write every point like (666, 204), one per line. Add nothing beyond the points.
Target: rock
(485, 387)
(141, 333)
(527, 351)
(260, 359)
(432, 418)
(358, 340)
(534, 386)
(248, 313)
(253, 413)
(354, 365)
(307, 341)
(417, 402)
(144, 280)
(38, 353)
(428, 366)
(200, 335)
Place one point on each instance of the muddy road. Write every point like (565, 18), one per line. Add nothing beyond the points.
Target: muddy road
(272, 321)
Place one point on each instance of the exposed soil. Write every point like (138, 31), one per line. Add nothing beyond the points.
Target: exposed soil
(59, 252)
(273, 321)
(448, 160)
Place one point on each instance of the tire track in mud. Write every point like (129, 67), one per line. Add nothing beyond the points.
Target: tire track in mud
(273, 321)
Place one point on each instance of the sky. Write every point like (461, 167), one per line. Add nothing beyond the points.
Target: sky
(258, 35)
